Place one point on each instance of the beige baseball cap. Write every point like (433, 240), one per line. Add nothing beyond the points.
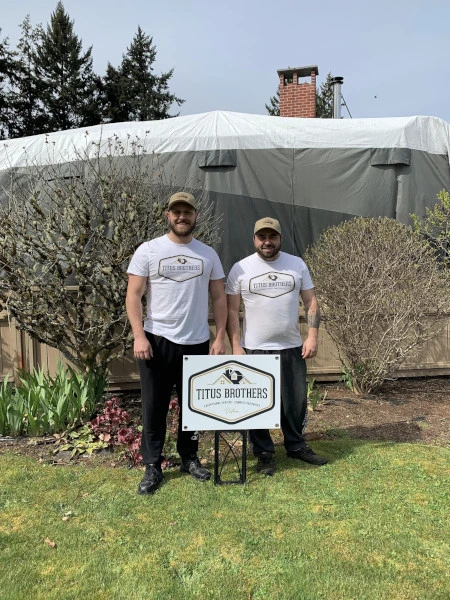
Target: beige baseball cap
(267, 223)
(182, 197)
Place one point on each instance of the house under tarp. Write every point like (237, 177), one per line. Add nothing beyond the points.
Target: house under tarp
(308, 173)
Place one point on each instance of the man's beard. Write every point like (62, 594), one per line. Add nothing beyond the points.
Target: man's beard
(186, 232)
(268, 255)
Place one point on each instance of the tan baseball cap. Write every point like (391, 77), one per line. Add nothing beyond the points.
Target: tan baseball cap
(267, 223)
(182, 197)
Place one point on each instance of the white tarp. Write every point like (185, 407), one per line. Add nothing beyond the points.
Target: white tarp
(221, 130)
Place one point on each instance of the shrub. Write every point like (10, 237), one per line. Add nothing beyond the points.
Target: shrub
(382, 294)
(67, 233)
(435, 226)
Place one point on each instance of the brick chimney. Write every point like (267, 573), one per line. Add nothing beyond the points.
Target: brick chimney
(298, 97)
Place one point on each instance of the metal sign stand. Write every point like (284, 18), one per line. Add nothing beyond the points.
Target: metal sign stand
(230, 450)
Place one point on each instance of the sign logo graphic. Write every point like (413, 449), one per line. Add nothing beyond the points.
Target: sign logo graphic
(180, 268)
(272, 284)
(231, 392)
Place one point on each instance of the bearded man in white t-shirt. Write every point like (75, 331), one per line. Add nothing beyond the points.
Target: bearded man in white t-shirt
(270, 283)
(178, 273)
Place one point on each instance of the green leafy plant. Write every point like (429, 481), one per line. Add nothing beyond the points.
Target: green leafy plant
(347, 379)
(314, 394)
(42, 404)
(111, 428)
(80, 441)
(360, 369)
(3, 404)
(12, 410)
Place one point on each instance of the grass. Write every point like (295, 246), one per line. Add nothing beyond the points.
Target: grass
(373, 524)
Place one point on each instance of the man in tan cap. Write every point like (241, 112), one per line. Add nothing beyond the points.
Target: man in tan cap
(270, 282)
(176, 271)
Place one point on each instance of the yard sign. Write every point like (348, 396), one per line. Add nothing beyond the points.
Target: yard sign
(231, 392)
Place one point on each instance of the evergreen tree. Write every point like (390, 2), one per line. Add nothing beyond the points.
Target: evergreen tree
(27, 110)
(114, 92)
(324, 99)
(133, 92)
(7, 65)
(69, 86)
(273, 109)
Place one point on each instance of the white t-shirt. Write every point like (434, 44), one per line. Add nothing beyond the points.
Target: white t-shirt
(178, 277)
(270, 291)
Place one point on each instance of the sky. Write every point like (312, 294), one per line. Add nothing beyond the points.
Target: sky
(393, 54)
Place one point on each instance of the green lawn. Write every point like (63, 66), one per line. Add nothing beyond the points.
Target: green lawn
(372, 524)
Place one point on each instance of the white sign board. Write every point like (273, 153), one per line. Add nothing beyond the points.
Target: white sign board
(230, 392)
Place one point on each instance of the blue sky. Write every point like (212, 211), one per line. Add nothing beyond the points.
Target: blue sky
(393, 54)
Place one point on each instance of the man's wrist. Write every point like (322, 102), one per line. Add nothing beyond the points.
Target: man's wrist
(139, 335)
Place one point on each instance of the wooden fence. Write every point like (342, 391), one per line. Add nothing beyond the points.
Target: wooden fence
(18, 350)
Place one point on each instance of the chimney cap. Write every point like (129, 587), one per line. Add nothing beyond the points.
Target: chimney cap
(301, 71)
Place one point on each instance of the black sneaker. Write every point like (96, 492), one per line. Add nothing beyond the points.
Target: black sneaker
(266, 464)
(307, 455)
(151, 480)
(193, 466)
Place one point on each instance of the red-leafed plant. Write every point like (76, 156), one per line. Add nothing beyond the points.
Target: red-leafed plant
(113, 427)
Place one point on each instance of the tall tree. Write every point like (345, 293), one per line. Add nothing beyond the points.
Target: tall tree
(133, 92)
(27, 109)
(7, 65)
(324, 101)
(114, 94)
(69, 90)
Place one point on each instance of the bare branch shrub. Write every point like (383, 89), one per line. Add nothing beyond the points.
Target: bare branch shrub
(382, 295)
(67, 233)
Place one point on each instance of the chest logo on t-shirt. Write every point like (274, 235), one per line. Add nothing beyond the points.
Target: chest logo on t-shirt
(272, 284)
(180, 268)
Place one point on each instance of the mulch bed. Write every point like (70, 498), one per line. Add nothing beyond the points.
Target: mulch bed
(415, 410)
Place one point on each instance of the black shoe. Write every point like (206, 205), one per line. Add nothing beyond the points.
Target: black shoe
(151, 480)
(307, 455)
(193, 466)
(266, 464)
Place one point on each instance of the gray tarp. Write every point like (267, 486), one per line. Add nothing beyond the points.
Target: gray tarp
(308, 173)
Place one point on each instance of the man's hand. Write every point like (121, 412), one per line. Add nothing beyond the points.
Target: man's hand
(218, 347)
(310, 346)
(142, 349)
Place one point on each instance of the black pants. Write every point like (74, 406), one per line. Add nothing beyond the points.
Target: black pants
(293, 402)
(158, 376)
